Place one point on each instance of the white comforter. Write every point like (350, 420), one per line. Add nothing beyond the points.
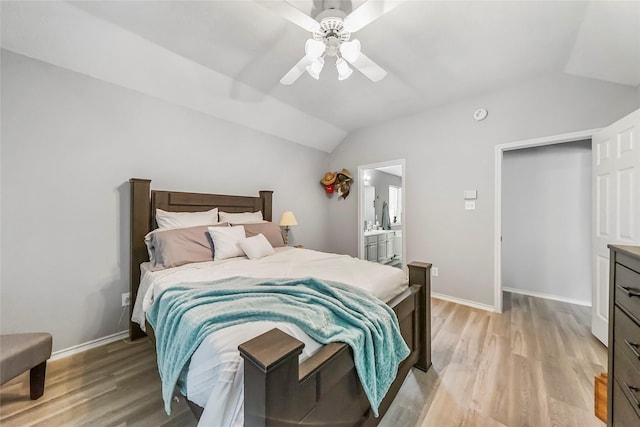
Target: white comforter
(215, 378)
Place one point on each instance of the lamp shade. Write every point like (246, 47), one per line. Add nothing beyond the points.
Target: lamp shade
(314, 49)
(315, 68)
(350, 50)
(288, 218)
(344, 71)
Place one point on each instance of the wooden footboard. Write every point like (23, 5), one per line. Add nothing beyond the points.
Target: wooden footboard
(324, 389)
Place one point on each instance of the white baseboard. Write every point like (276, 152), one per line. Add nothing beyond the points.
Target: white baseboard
(461, 301)
(89, 345)
(547, 296)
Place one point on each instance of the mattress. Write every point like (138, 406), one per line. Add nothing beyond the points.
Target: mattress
(215, 378)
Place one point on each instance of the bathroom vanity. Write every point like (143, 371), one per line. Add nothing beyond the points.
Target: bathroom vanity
(379, 245)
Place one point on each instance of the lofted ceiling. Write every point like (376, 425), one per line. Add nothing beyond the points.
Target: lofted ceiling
(435, 52)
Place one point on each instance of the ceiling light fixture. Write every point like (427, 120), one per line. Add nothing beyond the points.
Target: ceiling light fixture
(314, 49)
(315, 68)
(331, 31)
(344, 71)
(350, 50)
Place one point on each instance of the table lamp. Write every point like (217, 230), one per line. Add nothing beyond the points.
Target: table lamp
(287, 219)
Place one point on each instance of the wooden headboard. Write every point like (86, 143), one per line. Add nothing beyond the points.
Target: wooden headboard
(144, 203)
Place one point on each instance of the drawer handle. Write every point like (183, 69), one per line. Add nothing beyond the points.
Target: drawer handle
(631, 292)
(632, 391)
(633, 347)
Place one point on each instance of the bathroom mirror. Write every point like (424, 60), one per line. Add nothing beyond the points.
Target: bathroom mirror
(381, 212)
(369, 204)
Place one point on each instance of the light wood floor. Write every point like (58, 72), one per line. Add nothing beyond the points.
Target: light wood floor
(533, 365)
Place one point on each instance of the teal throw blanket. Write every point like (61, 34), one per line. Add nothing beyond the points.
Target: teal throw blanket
(184, 315)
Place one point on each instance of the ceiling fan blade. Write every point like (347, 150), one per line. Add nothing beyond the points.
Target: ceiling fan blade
(296, 71)
(367, 13)
(291, 13)
(369, 68)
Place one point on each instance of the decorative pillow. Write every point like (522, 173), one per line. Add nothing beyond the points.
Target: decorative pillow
(270, 230)
(241, 218)
(256, 247)
(178, 246)
(225, 241)
(166, 219)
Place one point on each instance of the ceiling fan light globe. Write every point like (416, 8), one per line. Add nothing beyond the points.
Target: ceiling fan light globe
(315, 68)
(346, 75)
(344, 71)
(350, 50)
(314, 49)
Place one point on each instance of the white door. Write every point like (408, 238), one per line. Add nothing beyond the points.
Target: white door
(616, 206)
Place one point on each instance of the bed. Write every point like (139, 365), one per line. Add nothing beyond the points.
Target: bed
(281, 388)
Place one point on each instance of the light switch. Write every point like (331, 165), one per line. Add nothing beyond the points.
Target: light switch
(470, 194)
(469, 205)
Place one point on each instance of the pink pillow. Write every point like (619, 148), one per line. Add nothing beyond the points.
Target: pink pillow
(270, 230)
(177, 246)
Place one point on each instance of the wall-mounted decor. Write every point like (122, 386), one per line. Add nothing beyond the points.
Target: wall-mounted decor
(328, 180)
(340, 181)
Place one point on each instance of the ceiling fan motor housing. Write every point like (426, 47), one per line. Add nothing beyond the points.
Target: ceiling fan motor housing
(332, 33)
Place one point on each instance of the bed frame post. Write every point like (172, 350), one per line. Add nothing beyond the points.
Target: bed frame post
(266, 197)
(140, 226)
(420, 274)
(271, 370)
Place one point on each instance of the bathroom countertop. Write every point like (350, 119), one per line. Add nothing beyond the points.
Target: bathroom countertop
(374, 232)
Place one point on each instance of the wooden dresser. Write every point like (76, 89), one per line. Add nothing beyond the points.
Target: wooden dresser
(623, 394)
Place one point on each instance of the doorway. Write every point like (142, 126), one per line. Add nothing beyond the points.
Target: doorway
(499, 157)
(546, 222)
(615, 208)
(381, 212)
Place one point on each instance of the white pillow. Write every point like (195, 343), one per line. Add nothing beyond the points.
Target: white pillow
(256, 247)
(241, 218)
(166, 219)
(225, 241)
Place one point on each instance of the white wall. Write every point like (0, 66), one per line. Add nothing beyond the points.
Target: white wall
(546, 221)
(69, 145)
(68, 35)
(447, 152)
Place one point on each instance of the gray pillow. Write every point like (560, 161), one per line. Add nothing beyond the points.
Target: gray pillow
(270, 230)
(179, 246)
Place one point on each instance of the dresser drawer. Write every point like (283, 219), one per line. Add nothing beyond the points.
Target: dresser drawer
(627, 289)
(622, 414)
(628, 378)
(627, 338)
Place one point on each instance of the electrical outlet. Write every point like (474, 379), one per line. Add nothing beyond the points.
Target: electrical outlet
(434, 271)
(126, 300)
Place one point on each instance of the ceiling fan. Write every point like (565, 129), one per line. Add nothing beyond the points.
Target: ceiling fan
(331, 32)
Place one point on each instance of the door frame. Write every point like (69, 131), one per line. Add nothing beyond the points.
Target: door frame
(361, 169)
(497, 238)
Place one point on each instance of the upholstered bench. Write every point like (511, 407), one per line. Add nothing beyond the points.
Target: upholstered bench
(22, 352)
